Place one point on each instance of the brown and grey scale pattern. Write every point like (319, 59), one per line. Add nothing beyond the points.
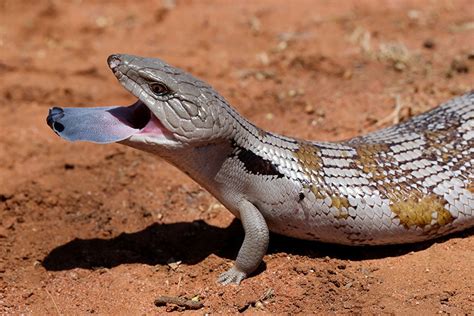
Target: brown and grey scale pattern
(416, 176)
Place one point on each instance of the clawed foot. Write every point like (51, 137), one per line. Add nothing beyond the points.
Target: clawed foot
(233, 275)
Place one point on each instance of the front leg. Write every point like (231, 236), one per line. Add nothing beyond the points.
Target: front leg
(254, 246)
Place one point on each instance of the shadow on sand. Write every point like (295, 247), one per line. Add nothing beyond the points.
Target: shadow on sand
(191, 242)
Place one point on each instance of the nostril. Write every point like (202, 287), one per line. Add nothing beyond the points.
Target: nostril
(113, 61)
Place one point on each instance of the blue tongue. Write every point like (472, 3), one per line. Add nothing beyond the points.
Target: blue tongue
(100, 125)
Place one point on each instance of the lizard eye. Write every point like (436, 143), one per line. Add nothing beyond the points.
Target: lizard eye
(159, 89)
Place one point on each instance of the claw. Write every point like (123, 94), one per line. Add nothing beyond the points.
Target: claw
(233, 275)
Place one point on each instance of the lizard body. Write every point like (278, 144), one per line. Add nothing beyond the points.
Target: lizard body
(407, 183)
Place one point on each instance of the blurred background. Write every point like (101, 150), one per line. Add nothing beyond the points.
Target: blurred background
(325, 70)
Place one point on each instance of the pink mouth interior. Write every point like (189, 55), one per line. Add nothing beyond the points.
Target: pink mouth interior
(140, 118)
(154, 126)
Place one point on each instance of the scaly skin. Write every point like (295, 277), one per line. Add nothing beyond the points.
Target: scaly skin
(407, 183)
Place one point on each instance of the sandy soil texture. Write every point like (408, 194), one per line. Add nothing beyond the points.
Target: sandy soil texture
(89, 229)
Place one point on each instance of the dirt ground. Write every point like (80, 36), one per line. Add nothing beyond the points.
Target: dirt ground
(89, 229)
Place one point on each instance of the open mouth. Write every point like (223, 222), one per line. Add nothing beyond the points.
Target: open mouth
(105, 125)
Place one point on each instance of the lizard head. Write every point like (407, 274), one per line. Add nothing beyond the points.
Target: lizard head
(188, 109)
(174, 109)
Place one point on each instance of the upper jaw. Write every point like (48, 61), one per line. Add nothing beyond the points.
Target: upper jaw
(129, 78)
(154, 133)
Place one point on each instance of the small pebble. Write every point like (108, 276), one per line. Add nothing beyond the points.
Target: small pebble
(429, 44)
